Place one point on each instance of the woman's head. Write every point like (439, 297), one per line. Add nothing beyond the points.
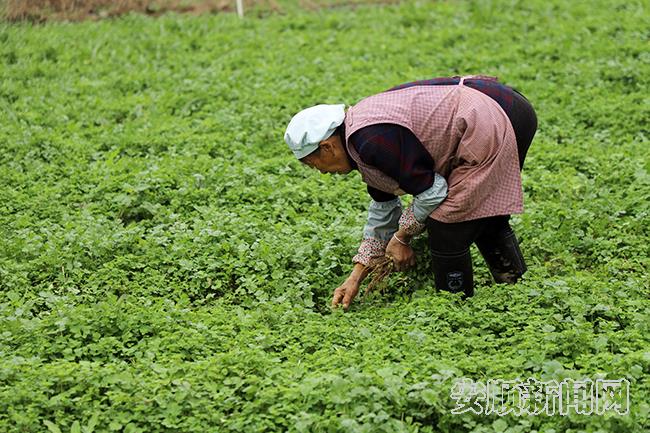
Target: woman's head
(311, 136)
(330, 157)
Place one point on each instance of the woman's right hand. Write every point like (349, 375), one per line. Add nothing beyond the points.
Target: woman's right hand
(345, 293)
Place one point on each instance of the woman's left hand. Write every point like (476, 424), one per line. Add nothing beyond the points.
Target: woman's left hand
(402, 255)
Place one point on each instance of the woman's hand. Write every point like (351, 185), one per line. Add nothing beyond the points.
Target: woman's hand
(347, 291)
(345, 294)
(402, 255)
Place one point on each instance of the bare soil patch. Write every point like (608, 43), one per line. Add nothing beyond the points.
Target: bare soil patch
(78, 10)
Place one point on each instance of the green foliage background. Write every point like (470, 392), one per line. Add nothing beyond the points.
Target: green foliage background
(165, 264)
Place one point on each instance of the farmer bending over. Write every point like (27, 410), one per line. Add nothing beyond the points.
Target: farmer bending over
(457, 145)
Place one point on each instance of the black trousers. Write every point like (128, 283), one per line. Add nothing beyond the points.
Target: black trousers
(450, 242)
(524, 122)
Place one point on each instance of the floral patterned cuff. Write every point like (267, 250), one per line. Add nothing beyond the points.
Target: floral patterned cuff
(370, 250)
(409, 223)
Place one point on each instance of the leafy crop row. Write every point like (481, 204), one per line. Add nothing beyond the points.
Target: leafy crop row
(165, 264)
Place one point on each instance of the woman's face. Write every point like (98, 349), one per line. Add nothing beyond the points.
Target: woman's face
(330, 157)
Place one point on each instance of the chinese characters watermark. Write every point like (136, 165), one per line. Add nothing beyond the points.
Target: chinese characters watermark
(533, 397)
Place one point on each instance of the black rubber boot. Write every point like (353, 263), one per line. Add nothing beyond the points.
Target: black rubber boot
(503, 257)
(453, 272)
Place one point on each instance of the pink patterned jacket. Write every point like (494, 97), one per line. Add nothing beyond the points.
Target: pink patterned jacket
(469, 137)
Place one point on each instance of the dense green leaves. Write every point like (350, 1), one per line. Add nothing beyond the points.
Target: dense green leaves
(165, 264)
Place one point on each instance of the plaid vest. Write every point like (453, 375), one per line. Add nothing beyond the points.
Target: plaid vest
(467, 134)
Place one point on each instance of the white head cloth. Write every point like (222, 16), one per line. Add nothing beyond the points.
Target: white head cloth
(311, 126)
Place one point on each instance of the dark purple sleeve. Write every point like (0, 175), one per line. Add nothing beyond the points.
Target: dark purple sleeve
(397, 152)
(379, 195)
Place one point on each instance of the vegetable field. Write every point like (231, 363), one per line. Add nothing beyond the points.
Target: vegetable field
(166, 265)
